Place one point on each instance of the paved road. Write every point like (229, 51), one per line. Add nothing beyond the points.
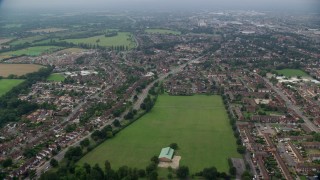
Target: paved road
(136, 105)
(295, 108)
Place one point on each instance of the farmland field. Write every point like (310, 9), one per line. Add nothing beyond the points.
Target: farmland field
(122, 39)
(32, 51)
(162, 31)
(292, 72)
(7, 84)
(26, 40)
(56, 77)
(18, 69)
(198, 124)
(12, 25)
(47, 30)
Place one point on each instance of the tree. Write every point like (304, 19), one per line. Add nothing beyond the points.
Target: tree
(85, 142)
(155, 159)
(153, 175)
(183, 172)
(49, 176)
(54, 163)
(210, 173)
(116, 123)
(7, 163)
(151, 167)
(241, 149)
(73, 153)
(96, 173)
(142, 173)
(233, 171)
(174, 146)
(107, 165)
(246, 175)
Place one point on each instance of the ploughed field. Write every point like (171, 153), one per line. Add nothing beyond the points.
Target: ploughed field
(162, 31)
(198, 124)
(18, 69)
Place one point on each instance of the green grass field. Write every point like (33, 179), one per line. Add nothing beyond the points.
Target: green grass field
(122, 39)
(162, 31)
(32, 51)
(56, 77)
(199, 124)
(12, 25)
(7, 84)
(26, 40)
(292, 72)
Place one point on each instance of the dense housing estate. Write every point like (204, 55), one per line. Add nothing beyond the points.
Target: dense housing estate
(263, 66)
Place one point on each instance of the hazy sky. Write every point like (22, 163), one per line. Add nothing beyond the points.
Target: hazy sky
(165, 4)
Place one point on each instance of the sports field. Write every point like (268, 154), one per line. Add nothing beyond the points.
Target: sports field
(32, 51)
(162, 31)
(292, 72)
(198, 124)
(122, 39)
(56, 77)
(7, 84)
(18, 69)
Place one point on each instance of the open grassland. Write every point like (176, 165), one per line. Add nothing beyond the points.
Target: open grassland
(122, 39)
(198, 124)
(26, 40)
(32, 51)
(292, 72)
(7, 84)
(162, 31)
(18, 69)
(56, 77)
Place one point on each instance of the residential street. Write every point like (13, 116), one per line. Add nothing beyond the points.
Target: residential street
(295, 108)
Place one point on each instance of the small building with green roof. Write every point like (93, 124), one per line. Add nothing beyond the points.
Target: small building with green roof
(166, 154)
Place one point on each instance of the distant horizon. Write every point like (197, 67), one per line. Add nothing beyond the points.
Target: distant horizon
(312, 6)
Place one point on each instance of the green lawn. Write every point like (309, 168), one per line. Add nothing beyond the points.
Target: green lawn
(122, 39)
(199, 124)
(32, 51)
(56, 77)
(162, 31)
(292, 72)
(7, 84)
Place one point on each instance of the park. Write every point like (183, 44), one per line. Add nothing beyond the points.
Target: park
(198, 124)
